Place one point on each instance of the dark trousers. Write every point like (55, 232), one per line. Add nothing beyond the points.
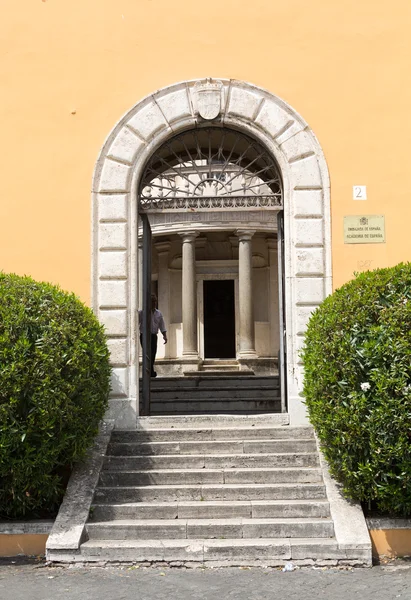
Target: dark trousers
(153, 350)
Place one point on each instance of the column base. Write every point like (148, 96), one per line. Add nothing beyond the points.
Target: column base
(263, 367)
(246, 354)
(246, 361)
(191, 362)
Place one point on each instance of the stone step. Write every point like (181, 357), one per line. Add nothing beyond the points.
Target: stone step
(210, 492)
(241, 380)
(222, 406)
(212, 447)
(277, 420)
(210, 528)
(244, 552)
(212, 394)
(160, 409)
(216, 372)
(263, 509)
(220, 361)
(219, 368)
(210, 434)
(210, 461)
(209, 476)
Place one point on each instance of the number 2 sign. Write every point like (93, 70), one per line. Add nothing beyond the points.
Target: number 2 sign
(359, 192)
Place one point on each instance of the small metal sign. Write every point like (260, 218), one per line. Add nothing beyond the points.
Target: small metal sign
(364, 229)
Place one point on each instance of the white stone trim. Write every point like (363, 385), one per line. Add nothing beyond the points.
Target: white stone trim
(114, 248)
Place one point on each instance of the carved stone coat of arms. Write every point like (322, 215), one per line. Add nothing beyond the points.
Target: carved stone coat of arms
(208, 96)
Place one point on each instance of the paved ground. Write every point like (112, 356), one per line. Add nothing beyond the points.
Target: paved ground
(37, 582)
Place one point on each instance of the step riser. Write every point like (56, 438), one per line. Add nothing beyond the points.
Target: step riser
(234, 374)
(231, 553)
(279, 446)
(198, 511)
(244, 552)
(202, 448)
(210, 531)
(210, 434)
(190, 477)
(119, 495)
(219, 368)
(139, 463)
(191, 551)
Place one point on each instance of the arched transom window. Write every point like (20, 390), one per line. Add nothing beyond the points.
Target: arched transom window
(209, 168)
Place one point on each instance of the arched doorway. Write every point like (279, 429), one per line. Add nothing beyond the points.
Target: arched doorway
(210, 180)
(272, 126)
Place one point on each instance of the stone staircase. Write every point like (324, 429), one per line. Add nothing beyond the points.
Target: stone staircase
(210, 393)
(214, 491)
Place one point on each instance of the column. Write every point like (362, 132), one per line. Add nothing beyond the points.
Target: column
(273, 305)
(163, 249)
(245, 287)
(189, 300)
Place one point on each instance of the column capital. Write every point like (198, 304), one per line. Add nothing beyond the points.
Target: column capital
(189, 236)
(162, 247)
(245, 235)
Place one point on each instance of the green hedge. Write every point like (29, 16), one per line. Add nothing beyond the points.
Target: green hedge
(357, 360)
(54, 385)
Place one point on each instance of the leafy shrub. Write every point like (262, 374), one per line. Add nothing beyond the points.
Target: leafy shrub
(54, 385)
(357, 360)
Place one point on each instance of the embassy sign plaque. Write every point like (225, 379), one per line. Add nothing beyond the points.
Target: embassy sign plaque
(364, 229)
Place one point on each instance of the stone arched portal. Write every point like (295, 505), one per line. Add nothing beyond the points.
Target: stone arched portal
(119, 168)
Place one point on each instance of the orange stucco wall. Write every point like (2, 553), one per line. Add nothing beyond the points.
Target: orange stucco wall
(24, 544)
(390, 543)
(69, 69)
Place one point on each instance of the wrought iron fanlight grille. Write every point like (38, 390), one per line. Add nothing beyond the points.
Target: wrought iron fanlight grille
(210, 168)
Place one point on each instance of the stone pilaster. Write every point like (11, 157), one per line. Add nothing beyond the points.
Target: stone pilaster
(273, 299)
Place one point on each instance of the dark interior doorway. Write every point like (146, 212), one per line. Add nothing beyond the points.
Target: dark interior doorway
(219, 319)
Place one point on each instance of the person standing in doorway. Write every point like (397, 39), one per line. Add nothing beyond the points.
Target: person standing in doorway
(157, 323)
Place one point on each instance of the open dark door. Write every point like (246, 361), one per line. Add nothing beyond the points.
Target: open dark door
(219, 319)
(282, 358)
(146, 329)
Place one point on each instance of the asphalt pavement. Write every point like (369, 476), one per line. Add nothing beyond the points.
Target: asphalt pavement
(36, 581)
